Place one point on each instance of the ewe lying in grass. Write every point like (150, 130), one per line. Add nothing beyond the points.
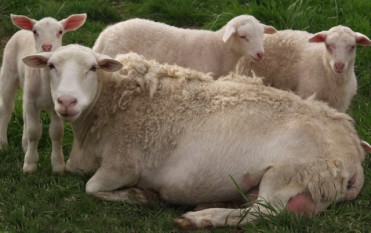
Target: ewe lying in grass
(177, 132)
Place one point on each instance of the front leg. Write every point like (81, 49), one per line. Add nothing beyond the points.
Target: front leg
(31, 136)
(115, 172)
(56, 135)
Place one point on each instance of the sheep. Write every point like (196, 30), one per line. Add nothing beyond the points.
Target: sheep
(178, 132)
(37, 36)
(307, 64)
(203, 50)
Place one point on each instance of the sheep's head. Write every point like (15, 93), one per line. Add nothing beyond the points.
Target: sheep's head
(73, 77)
(245, 35)
(341, 45)
(48, 32)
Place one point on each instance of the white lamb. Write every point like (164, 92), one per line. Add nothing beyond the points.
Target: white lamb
(320, 64)
(207, 51)
(38, 36)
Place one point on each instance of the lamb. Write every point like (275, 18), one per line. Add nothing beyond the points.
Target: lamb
(203, 50)
(44, 35)
(178, 132)
(320, 64)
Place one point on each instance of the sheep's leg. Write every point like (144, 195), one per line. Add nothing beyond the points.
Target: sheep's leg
(32, 134)
(24, 136)
(131, 195)
(56, 135)
(8, 91)
(111, 175)
(275, 192)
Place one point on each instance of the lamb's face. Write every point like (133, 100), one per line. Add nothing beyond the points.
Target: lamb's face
(341, 47)
(245, 35)
(73, 78)
(48, 32)
(340, 43)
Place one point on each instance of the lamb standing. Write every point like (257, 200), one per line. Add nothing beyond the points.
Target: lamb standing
(38, 36)
(178, 132)
(206, 51)
(320, 64)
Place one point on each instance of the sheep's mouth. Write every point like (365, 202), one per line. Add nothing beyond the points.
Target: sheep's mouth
(68, 116)
(339, 71)
(256, 59)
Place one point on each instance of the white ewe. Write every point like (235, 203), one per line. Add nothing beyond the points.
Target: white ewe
(206, 51)
(38, 36)
(320, 64)
(176, 131)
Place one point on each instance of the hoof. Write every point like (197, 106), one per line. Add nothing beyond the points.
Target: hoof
(59, 169)
(184, 223)
(29, 167)
(3, 144)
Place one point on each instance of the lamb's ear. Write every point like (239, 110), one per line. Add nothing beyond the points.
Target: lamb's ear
(108, 64)
(362, 39)
(23, 22)
(269, 29)
(318, 37)
(229, 31)
(39, 60)
(366, 147)
(73, 22)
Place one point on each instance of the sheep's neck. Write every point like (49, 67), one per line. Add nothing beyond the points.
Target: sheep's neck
(224, 54)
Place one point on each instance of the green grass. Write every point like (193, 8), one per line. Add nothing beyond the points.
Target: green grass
(43, 202)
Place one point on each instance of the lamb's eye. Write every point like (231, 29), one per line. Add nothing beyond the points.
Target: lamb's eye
(51, 66)
(60, 32)
(330, 47)
(94, 68)
(35, 32)
(351, 48)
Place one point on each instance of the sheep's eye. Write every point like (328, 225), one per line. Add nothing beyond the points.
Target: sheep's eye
(35, 32)
(94, 68)
(51, 66)
(330, 47)
(60, 32)
(352, 47)
(244, 38)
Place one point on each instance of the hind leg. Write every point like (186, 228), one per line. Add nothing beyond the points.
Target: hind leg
(291, 187)
(8, 91)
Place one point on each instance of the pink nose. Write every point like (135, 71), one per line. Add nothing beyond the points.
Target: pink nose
(67, 101)
(339, 65)
(260, 56)
(46, 47)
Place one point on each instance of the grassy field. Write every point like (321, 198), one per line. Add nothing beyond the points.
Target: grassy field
(43, 202)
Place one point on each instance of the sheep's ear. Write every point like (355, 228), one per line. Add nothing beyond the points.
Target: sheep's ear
(269, 29)
(362, 39)
(108, 64)
(366, 147)
(229, 31)
(73, 22)
(23, 22)
(37, 61)
(318, 37)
